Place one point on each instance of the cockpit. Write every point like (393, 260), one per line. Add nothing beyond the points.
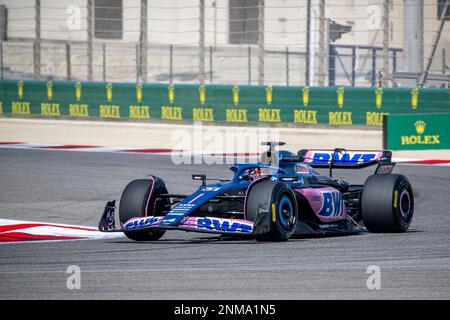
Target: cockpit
(255, 173)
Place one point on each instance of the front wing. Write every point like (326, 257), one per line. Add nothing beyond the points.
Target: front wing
(190, 223)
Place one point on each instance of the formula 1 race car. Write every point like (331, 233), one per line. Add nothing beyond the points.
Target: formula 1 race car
(280, 196)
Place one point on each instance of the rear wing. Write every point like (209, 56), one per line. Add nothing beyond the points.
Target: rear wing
(348, 159)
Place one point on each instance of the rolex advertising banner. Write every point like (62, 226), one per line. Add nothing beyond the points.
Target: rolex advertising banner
(417, 132)
(302, 106)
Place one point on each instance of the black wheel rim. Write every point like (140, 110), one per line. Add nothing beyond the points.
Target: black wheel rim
(405, 205)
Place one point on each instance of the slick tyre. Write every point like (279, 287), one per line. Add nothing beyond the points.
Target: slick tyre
(139, 199)
(274, 203)
(387, 203)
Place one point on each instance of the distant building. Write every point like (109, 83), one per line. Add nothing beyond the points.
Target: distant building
(228, 23)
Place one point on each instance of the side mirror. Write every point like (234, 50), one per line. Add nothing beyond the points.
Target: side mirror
(201, 177)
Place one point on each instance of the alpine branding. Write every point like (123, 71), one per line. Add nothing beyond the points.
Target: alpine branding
(181, 209)
(316, 198)
(212, 188)
(141, 222)
(224, 225)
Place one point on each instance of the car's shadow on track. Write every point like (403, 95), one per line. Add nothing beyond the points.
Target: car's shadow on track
(414, 231)
(210, 240)
(174, 243)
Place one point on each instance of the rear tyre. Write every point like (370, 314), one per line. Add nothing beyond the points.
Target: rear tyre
(139, 199)
(278, 202)
(387, 203)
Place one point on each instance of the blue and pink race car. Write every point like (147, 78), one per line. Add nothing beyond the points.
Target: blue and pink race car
(279, 197)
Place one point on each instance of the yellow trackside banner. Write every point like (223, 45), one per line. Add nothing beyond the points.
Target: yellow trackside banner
(268, 105)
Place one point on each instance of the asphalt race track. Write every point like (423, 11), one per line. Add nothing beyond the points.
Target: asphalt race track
(72, 187)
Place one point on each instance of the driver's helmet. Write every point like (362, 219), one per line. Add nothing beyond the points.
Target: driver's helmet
(258, 173)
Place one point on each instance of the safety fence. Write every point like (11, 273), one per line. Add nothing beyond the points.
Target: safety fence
(311, 106)
(242, 42)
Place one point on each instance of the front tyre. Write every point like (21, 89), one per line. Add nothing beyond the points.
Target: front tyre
(273, 208)
(140, 199)
(387, 203)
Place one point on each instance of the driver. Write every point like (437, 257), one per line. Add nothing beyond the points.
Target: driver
(257, 173)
